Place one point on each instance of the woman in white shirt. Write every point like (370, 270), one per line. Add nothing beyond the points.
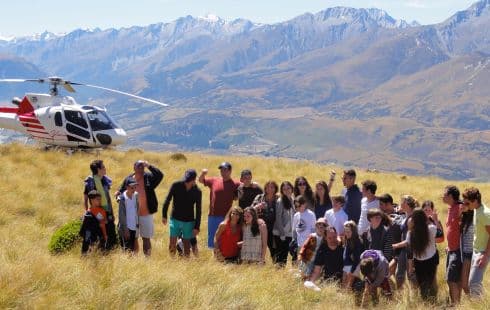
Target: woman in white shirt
(422, 240)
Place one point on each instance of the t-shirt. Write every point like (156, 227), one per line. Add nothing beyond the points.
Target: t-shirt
(431, 249)
(221, 195)
(452, 227)
(99, 213)
(336, 219)
(248, 195)
(480, 220)
(331, 260)
(303, 225)
(365, 207)
(131, 211)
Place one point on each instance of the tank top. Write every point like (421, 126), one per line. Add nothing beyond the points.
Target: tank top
(252, 245)
(228, 241)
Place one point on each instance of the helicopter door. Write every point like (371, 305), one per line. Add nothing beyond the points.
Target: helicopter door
(76, 125)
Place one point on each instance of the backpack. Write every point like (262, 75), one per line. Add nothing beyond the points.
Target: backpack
(90, 230)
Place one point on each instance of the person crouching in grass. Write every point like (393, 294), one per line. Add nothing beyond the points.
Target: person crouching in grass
(93, 228)
(375, 269)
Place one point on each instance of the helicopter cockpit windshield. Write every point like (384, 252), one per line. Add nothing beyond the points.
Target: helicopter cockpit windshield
(99, 120)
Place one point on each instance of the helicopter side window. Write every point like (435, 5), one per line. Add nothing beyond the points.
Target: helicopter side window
(57, 119)
(77, 131)
(76, 118)
(99, 121)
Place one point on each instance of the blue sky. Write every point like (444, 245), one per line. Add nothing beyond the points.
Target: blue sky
(26, 17)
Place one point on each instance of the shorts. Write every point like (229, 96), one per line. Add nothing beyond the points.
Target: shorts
(453, 266)
(146, 226)
(177, 227)
(347, 269)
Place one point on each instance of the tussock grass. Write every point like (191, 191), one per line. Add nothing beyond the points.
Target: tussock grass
(41, 191)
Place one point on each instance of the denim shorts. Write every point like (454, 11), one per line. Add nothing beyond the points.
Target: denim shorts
(453, 266)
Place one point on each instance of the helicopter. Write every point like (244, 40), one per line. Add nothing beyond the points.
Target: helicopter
(60, 121)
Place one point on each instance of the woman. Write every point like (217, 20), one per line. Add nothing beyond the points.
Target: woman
(228, 235)
(303, 188)
(467, 233)
(254, 242)
(353, 249)
(422, 240)
(265, 206)
(428, 207)
(283, 231)
(323, 202)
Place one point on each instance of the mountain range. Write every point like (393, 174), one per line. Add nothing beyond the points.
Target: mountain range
(351, 86)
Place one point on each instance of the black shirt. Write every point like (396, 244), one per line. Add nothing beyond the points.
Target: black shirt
(248, 195)
(183, 203)
(331, 260)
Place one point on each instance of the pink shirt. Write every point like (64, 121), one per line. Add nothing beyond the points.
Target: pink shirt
(221, 195)
(452, 227)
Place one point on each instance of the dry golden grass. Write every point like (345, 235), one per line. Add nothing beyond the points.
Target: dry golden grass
(43, 190)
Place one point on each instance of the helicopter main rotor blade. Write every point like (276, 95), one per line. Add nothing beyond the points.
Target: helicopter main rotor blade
(22, 80)
(122, 93)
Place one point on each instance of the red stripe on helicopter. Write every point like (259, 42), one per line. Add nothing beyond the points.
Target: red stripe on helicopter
(37, 131)
(28, 125)
(9, 110)
(29, 119)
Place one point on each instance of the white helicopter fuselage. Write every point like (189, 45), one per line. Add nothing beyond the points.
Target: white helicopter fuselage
(60, 121)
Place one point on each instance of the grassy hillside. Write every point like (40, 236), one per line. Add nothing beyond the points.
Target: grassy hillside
(43, 190)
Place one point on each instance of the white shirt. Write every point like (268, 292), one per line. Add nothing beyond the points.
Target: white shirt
(431, 249)
(363, 225)
(131, 211)
(303, 225)
(337, 219)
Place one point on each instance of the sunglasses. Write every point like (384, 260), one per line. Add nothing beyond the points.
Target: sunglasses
(301, 184)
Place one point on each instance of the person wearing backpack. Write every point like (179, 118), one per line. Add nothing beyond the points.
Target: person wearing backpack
(93, 228)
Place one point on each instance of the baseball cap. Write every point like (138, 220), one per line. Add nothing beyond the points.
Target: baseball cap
(131, 182)
(225, 165)
(190, 175)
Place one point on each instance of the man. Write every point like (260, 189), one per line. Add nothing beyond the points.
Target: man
(185, 195)
(454, 264)
(248, 190)
(352, 196)
(368, 202)
(222, 192)
(481, 241)
(397, 219)
(102, 183)
(148, 203)
(329, 258)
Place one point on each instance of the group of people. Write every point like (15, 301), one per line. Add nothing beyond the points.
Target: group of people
(356, 239)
